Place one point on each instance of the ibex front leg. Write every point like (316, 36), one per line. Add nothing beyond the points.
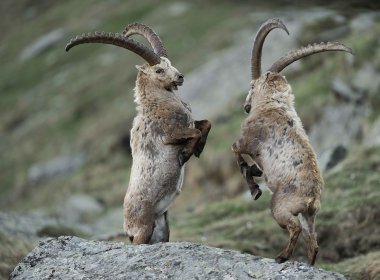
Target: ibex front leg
(238, 148)
(190, 135)
(204, 126)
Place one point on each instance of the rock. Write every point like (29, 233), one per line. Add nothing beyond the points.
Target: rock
(34, 226)
(363, 22)
(80, 208)
(338, 154)
(55, 167)
(367, 79)
(178, 8)
(373, 137)
(328, 26)
(110, 223)
(227, 75)
(333, 34)
(223, 83)
(69, 257)
(345, 92)
(341, 125)
(41, 44)
(24, 226)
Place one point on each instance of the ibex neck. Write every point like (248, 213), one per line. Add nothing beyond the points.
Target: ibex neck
(148, 97)
(283, 100)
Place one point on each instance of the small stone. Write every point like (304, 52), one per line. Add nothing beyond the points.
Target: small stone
(80, 208)
(42, 43)
(56, 167)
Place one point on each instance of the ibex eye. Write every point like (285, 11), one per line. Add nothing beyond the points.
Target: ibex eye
(160, 71)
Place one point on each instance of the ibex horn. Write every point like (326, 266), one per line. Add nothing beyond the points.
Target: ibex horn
(295, 55)
(148, 33)
(258, 43)
(116, 40)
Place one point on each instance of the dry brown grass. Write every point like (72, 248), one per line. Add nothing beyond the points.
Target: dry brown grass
(12, 251)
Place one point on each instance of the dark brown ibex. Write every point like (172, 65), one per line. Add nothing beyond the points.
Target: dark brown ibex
(163, 137)
(273, 136)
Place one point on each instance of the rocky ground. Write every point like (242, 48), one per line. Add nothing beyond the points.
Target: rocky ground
(65, 120)
(75, 258)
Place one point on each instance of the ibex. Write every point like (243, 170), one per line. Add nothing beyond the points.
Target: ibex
(163, 137)
(273, 136)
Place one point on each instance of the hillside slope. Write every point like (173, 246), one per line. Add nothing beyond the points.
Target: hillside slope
(65, 121)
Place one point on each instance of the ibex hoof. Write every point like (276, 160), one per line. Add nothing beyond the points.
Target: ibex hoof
(255, 171)
(197, 153)
(255, 191)
(199, 148)
(183, 157)
(281, 259)
(244, 169)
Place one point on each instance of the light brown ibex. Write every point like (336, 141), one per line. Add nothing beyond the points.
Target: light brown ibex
(163, 137)
(273, 136)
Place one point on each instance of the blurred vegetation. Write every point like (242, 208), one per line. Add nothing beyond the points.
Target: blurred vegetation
(12, 250)
(348, 212)
(55, 104)
(52, 102)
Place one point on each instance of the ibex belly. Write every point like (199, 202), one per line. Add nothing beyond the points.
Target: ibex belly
(156, 174)
(163, 204)
(289, 162)
(280, 159)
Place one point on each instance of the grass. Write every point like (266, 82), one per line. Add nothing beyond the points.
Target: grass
(12, 251)
(348, 210)
(361, 267)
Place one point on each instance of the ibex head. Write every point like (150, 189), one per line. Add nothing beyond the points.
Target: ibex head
(158, 67)
(272, 82)
(163, 75)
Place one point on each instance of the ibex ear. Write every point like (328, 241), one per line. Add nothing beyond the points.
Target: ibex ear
(142, 68)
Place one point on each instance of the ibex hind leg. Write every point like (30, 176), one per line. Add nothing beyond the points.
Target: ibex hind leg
(285, 213)
(138, 221)
(161, 230)
(143, 235)
(309, 235)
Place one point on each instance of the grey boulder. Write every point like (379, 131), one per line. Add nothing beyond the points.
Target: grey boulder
(70, 257)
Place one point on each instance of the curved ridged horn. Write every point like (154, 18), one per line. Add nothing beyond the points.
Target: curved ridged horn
(116, 40)
(258, 43)
(149, 34)
(295, 55)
